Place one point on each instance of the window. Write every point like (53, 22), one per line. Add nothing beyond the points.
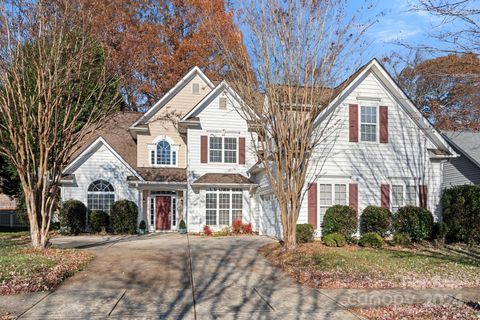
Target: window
(196, 88)
(174, 211)
(100, 196)
(222, 102)
(397, 197)
(215, 149)
(163, 153)
(223, 149)
(329, 198)
(411, 196)
(368, 123)
(223, 206)
(152, 212)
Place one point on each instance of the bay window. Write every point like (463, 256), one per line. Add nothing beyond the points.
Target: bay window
(223, 206)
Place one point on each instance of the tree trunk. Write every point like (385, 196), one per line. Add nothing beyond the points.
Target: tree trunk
(38, 229)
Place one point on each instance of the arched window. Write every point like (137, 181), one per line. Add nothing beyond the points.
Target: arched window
(164, 153)
(100, 196)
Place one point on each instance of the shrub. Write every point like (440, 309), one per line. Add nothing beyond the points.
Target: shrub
(414, 221)
(222, 233)
(334, 240)
(98, 220)
(401, 239)
(237, 226)
(376, 219)
(207, 231)
(182, 224)
(142, 225)
(247, 228)
(440, 230)
(123, 216)
(371, 239)
(461, 213)
(341, 219)
(352, 240)
(304, 233)
(73, 216)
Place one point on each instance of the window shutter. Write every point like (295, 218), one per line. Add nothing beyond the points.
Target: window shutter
(241, 150)
(385, 200)
(353, 122)
(312, 205)
(353, 196)
(383, 124)
(203, 149)
(423, 193)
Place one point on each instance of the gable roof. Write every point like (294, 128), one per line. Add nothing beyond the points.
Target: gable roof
(467, 142)
(222, 179)
(343, 90)
(170, 94)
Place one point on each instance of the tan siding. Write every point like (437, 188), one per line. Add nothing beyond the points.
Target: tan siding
(163, 122)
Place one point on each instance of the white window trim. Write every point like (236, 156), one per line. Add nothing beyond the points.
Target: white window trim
(152, 147)
(223, 149)
(101, 192)
(174, 206)
(377, 125)
(405, 183)
(332, 184)
(217, 191)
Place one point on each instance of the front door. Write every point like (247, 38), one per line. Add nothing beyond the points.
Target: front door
(164, 205)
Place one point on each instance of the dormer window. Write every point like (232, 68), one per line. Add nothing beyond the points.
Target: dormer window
(163, 152)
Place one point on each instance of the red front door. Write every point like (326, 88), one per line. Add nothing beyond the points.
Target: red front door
(164, 205)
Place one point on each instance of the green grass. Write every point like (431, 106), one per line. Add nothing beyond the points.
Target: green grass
(355, 267)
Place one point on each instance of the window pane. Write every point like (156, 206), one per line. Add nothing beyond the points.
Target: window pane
(230, 156)
(237, 205)
(411, 198)
(163, 152)
(211, 206)
(325, 194)
(341, 194)
(215, 149)
(368, 121)
(397, 197)
(224, 206)
(174, 211)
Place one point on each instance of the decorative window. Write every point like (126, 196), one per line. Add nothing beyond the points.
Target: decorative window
(222, 102)
(163, 153)
(411, 196)
(397, 197)
(152, 212)
(196, 88)
(368, 123)
(223, 149)
(100, 196)
(223, 206)
(174, 211)
(331, 194)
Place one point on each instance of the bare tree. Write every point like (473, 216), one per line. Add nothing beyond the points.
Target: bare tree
(298, 51)
(458, 24)
(50, 100)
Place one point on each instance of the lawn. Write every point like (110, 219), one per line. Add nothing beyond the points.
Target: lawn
(392, 267)
(24, 269)
(419, 312)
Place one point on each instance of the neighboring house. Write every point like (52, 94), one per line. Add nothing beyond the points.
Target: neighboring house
(8, 207)
(190, 157)
(466, 168)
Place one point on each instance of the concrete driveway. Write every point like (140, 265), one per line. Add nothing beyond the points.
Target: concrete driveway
(178, 277)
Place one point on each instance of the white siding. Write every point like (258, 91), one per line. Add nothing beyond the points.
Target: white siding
(101, 163)
(460, 171)
(228, 122)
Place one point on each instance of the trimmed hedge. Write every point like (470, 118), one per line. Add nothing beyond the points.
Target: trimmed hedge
(376, 219)
(401, 239)
(72, 217)
(123, 216)
(371, 239)
(440, 230)
(461, 213)
(341, 219)
(98, 220)
(414, 221)
(304, 233)
(334, 240)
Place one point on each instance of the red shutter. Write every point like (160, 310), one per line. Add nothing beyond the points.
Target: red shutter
(353, 196)
(353, 119)
(241, 150)
(203, 149)
(385, 191)
(312, 205)
(383, 124)
(423, 193)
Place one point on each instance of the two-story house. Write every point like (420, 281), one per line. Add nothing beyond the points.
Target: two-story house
(191, 157)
